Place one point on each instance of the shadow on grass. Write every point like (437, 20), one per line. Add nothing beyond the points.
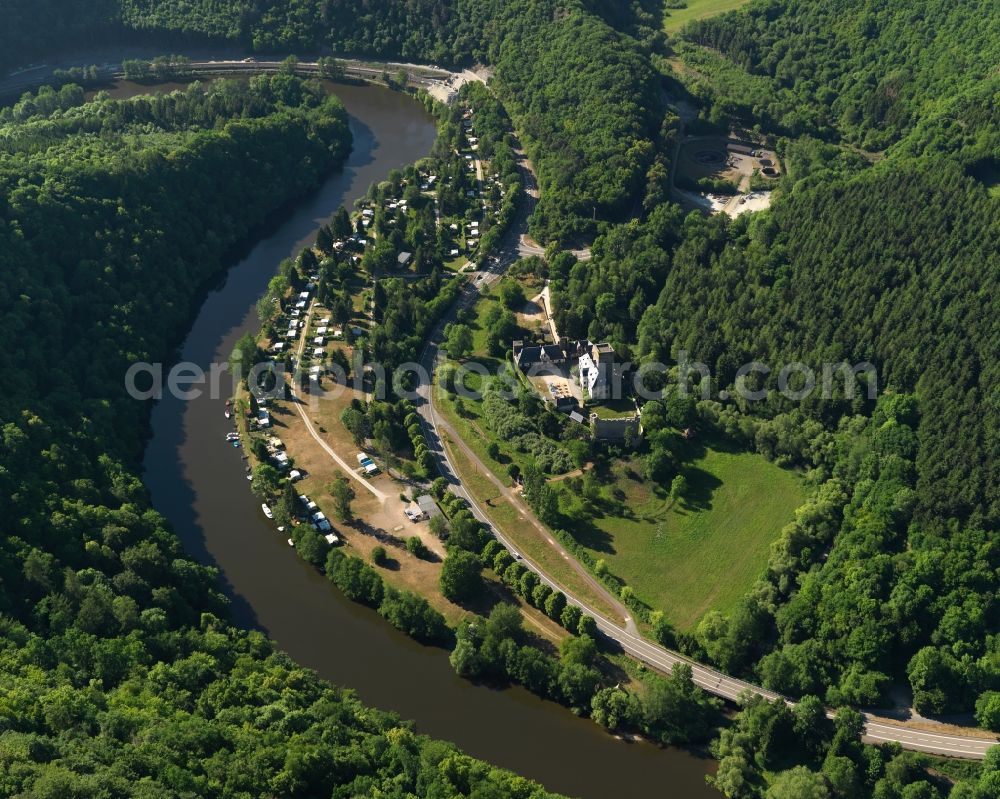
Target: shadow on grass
(701, 486)
(590, 536)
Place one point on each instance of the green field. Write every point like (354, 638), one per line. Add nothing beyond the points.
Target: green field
(676, 18)
(705, 552)
(479, 328)
(702, 553)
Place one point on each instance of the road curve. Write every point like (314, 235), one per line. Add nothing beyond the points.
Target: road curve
(877, 730)
(715, 682)
(424, 76)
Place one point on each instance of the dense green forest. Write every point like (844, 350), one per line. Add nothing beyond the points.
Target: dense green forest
(877, 277)
(580, 90)
(122, 676)
(889, 575)
(898, 266)
(894, 577)
(866, 71)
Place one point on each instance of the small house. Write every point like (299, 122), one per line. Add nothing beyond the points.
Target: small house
(428, 506)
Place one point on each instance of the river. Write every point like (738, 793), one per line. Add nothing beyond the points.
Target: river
(197, 482)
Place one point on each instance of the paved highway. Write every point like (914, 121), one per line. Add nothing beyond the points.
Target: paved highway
(437, 81)
(715, 682)
(877, 729)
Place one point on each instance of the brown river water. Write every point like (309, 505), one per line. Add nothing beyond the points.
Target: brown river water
(197, 481)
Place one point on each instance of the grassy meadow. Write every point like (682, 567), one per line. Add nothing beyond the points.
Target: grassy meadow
(676, 18)
(704, 551)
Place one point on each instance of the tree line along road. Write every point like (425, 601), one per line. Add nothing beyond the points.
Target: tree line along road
(111, 67)
(877, 729)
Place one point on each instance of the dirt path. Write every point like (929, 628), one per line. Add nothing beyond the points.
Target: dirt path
(381, 496)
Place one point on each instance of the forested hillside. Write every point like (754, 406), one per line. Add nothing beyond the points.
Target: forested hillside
(892, 577)
(122, 676)
(876, 276)
(888, 575)
(580, 91)
(32, 30)
(866, 71)
(584, 100)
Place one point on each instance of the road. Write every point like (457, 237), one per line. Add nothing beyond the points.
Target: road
(514, 246)
(441, 427)
(528, 247)
(628, 638)
(439, 82)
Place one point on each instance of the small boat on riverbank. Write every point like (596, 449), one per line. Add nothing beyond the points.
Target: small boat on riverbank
(267, 511)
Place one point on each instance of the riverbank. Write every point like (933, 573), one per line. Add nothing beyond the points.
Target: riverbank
(442, 84)
(307, 429)
(199, 485)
